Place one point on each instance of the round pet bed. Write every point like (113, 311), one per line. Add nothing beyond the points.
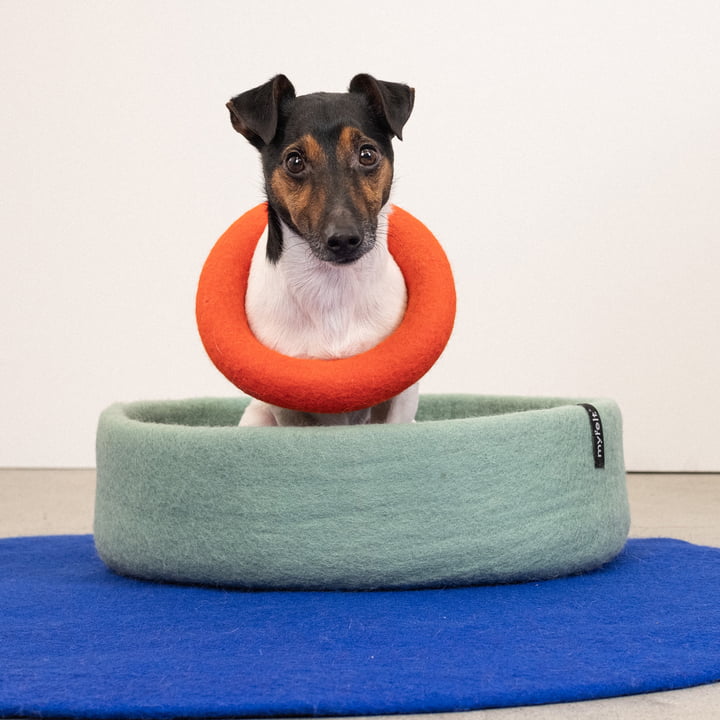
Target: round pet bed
(480, 490)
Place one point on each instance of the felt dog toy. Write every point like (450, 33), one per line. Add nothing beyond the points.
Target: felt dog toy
(326, 386)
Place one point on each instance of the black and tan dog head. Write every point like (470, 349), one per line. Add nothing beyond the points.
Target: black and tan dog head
(327, 159)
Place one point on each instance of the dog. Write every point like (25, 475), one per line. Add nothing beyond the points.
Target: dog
(322, 282)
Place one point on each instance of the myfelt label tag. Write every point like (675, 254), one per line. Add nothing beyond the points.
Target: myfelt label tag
(598, 438)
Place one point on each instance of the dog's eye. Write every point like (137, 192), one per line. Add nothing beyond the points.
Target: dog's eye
(368, 156)
(294, 163)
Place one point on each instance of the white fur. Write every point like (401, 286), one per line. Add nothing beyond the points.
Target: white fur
(305, 307)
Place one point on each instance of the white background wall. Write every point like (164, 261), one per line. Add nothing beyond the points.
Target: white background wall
(567, 155)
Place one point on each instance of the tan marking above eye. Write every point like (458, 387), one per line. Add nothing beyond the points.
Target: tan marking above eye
(308, 148)
(349, 143)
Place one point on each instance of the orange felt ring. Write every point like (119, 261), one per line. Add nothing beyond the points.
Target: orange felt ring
(326, 386)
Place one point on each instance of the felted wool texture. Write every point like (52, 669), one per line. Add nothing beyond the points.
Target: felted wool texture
(481, 489)
(78, 641)
(326, 386)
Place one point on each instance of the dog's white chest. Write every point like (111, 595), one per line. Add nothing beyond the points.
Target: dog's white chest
(304, 307)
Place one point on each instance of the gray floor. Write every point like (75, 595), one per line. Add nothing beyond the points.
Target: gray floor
(47, 502)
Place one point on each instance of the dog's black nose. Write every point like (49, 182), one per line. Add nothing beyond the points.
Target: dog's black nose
(344, 245)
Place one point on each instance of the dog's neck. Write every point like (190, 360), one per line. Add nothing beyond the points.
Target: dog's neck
(305, 307)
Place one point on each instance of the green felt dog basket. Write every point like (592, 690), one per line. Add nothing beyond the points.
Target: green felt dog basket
(479, 490)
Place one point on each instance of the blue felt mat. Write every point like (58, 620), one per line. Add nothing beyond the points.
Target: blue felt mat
(77, 640)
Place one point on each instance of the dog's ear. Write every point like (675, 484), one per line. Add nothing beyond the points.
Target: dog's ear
(391, 102)
(254, 113)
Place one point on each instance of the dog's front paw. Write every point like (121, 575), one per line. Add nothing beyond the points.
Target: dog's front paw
(257, 414)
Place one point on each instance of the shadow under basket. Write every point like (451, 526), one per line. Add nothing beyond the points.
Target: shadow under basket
(480, 490)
